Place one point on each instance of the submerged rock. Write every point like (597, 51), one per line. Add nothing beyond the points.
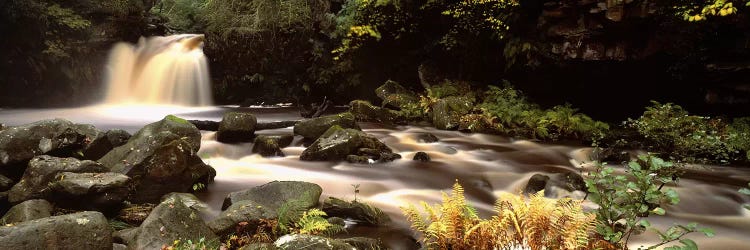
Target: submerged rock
(311, 129)
(395, 95)
(26, 211)
(360, 212)
(90, 191)
(237, 127)
(273, 194)
(52, 137)
(364, 111)
(271, 145)
(169, 221)
(84, 230)
(303, 241)
(536, 183)
(161, 158)
(426, 138)
(105, 142)
(568, 181)
(42, 171)
(421, 156)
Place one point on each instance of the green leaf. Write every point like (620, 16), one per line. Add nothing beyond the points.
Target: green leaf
(644, 223)
(745, 191)
(634, 166)
(658, 211)
(708, 232)
(689, 244)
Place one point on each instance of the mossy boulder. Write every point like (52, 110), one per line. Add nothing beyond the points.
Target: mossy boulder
(52, 137)
(26, 211)
(273, 194)
(362, 213)
(169, 221)
(237, 127)
(90, 191)
(395, 95)
(364, 111)
(105, 142)
(303, 241)
(446, 113)
(84, 230)
(335, 144)
(42, 170)
(271, 145)
(161, 158)
(313, 128)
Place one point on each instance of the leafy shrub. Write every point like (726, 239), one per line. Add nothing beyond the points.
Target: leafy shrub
(182, 15)
(670, 130)
(515, 115)
(625, 200)
(696, 11)
(538, 223)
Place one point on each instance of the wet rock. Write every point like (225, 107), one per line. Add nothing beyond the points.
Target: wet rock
(356, 159)
(187, 199)
(259, 246)
(26, 211)
(42, 171)
(360, 212)
(245, 210)
(335, 144)
(426, 138)
(116, 246)
(421, 156)
(336, 221)
(169, 221)
(395, 95)
(273, 194)
(135, 214)
(302, 241)
(237, 127)
(311, 129)
(205, 125)
(447, 112)
(161, 158)
(389, 157)
(271, 145)
(53, 137)
(84, 230)
(536, 183)
(612, 155)
(105, 142)
(364, 111)
(89, 191)
(275, 125)
(364, 243)
(126, 236)
(5, 183)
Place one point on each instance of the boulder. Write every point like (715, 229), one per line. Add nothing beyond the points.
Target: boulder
(135, 214)
(161, 158)
(568, 181)
(52, 137)
(259, 246)
(105, 142)
(447, 112)
(359, 159)
(303, 241)
(206, 125)
(169, 221)
(116, 246)
(426, 138)
(126, 236)
(237, 127)
(89, 191)
(273, 194)
(335, 144)
(421, 156)
(84, 230)
(187, 199)
(364, 243)
(271, 145)
(26, 211)
(5, 183)
(364, 111)
(42, 170)
(244, 210)
(536, 183)
(311, 129)
(395, 95)
(362, 213)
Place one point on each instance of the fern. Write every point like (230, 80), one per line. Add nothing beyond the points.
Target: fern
(288, 213)
(313, 222)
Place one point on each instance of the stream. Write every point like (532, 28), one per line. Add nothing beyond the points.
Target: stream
(486, 165)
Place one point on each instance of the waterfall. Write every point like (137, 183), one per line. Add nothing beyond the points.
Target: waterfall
(168, 70)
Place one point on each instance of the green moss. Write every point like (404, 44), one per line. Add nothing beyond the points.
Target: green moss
(176, 119)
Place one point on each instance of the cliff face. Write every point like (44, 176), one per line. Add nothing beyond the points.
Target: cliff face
(55, 50)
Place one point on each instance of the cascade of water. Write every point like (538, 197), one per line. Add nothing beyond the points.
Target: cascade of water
(159, 70)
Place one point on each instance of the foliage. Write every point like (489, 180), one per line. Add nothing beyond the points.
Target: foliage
(538, 223)
(625, 200)
(247, 233)
(515, 115)
(668, 128)
(294, 218)
(200, 244)
(696, 11)
(182, 15)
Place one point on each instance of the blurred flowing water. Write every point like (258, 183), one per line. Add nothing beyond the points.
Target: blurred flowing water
(486, 165)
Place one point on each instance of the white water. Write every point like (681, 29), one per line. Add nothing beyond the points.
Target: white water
(159, 70)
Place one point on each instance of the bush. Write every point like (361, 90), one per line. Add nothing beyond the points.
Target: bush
(182, 15)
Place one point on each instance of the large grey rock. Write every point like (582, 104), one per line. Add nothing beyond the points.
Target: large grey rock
(237, 127)
(245, 210)
(84, 230)
(90, 191)
(5, 183)
(273, 194)
(447, 112)
(169, 221)
(334, 144)
(187, 199)
(161, 158)
(271, 145)
(35, 183)
(26, 211)
(362, 213)
(53, 137)
(364, 111)
(311, 129)
(302, 241)
(126, 236)
(395, 95)
(105, 142)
